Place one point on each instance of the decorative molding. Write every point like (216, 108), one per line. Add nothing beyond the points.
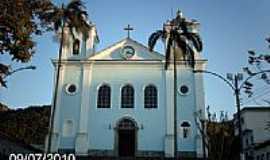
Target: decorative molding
(124, 41)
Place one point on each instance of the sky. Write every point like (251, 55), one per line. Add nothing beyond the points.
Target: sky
(228, 30)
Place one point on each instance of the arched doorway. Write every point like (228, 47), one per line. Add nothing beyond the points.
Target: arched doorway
(127, 137)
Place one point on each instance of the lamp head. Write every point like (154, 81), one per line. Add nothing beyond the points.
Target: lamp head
(239, 76)
(230, 76)
(32, 67)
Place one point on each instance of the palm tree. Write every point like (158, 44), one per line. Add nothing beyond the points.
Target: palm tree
(177, 33)
(72, 16)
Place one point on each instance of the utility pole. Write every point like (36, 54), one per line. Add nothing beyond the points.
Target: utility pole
(232, 80)
(58, 68)
(237, 78)
(175, 101)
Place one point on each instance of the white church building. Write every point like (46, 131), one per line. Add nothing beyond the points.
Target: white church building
(118, 102)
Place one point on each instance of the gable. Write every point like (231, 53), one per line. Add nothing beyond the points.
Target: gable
(117, 52)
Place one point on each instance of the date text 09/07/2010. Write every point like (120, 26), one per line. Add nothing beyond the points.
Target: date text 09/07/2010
(41, 156)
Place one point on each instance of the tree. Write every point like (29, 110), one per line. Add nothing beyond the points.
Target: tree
(20, 20)
(72, 16)
(259, 60)
(258, 63)
(177, 33)
(217, 135)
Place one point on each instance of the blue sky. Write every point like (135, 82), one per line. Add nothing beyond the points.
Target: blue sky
(228, 29)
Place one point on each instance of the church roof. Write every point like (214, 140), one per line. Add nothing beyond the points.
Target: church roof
(116, 52)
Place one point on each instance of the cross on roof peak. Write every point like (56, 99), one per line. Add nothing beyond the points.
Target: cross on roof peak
(128, 29)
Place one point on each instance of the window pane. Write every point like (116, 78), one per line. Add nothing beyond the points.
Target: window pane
(127, 97)
(104, 97)
(150, 97)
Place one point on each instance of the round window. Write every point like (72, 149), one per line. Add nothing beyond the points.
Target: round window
(183, 90)
(71, 89)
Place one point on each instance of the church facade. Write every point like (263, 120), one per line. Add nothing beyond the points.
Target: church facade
(119, 101)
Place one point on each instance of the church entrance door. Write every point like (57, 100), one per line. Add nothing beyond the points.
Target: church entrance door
(126, 138)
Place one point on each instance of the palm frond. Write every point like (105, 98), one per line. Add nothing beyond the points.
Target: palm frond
(184, 26)
(53, 18)
(77, 16)
(188, 53)
(71, 32)
(76, 5)
(191, 56)
(57, 24)
(181, 43)
(154, 37)
(196, 40)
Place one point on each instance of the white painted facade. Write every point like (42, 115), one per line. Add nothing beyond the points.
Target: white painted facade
(82, 127)
(255, 133)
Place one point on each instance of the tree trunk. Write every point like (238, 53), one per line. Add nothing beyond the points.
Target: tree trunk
(56, 88)
(175, 100)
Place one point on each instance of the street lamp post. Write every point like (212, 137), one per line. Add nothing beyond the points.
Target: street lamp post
(20, 69)
(10, 72)
(232, 80)
(235, 80)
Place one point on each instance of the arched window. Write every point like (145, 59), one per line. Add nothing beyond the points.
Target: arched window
(127, 97)
(76, 47)
(104, 97)
(150, 97)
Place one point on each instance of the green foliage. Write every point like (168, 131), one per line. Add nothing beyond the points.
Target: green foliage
(223, 145)
(218, 135)
(70, 17)
(3, 107)
(177, 32)
(29, 125)
(73, 16)
(258, 63)
(20, 20)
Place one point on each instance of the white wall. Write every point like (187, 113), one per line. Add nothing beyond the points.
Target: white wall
(152, 120)
(256, 121)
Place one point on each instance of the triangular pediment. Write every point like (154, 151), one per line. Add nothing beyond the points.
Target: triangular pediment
(121, 50)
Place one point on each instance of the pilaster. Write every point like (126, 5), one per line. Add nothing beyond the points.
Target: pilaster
(169, 137)
(81, 142)
(200, 103)
(58, 99)
(55, 140)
